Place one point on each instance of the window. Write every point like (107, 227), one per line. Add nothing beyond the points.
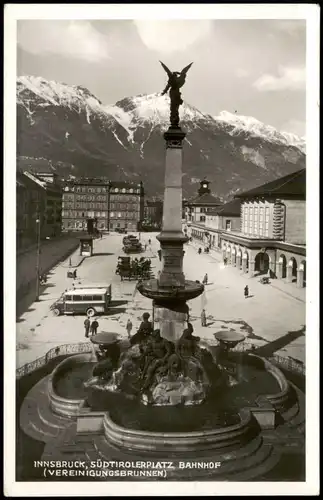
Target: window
(202, 218)
(97, 297)
(131, 190)
(77, 298)
(228, 225)
(116, 190)
(266, 221)
(68, 297)
(123, 190)
(98, 190)
(112, 214)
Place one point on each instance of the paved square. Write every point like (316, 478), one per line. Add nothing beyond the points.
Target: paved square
(273, 315)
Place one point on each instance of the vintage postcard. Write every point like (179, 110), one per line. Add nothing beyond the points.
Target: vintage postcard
(161, 250)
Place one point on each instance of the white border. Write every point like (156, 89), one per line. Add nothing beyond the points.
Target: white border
(164, 11)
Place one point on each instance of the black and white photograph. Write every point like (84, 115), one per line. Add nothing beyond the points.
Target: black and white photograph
(161, 257)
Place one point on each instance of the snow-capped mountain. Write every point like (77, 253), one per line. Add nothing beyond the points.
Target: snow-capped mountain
(79, 135)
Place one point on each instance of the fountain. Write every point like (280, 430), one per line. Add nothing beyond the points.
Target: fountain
(163, 393)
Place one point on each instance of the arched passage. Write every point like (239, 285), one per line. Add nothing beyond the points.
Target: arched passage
(292, 270)
(262, 262)
(283, 263)
(245, 262)
(233, 256)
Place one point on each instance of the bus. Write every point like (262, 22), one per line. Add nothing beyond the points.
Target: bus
(89, 301)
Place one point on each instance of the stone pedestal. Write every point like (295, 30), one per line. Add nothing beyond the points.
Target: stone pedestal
(170, 319)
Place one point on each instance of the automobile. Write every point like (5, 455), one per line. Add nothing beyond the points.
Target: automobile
(83, 300)
(129, 238)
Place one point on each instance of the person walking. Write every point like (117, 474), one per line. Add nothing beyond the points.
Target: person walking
(205, 279)
(225, 260)
(246, 292)
(74, 274)
(199, 251)
(203, 317)
(94, 327)
(129, 327)
(87, 324)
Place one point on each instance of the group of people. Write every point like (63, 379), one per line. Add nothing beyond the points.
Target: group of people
(91, 327)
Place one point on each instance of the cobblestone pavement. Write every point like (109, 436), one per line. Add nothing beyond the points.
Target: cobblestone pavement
(272, 317)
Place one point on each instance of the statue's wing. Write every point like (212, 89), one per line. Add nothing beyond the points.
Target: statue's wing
(185, 70)
(168, 71)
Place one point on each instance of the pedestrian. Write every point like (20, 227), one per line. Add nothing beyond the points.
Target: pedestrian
(74, 274)
(87, 324)
(101, 235)
(145, 246)
(203, 317)
(225, 260)
(199, 251)
(159, 254)
(246, 292)
(129, 327)
(149, 242)
(94, 327)
(205, 279)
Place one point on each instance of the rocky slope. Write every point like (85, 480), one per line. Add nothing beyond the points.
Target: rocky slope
(69, 129)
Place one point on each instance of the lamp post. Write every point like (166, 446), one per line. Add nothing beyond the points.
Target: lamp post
(38, 258)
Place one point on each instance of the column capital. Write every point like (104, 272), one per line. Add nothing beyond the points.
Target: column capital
(174, 137)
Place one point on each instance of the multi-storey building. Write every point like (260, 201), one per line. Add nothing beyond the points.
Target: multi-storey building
(272, 237)
(112, 205)
(126, 205)
(197, 209)
(85, 199)
(153, 213)
(39, 201)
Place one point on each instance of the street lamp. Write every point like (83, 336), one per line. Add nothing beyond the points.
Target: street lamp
(38, 258)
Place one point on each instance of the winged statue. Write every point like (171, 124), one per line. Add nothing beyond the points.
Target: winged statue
(176, 80)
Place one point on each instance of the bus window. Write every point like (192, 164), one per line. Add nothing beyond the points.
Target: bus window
(68, 297)
(77, 298)
(97, 297)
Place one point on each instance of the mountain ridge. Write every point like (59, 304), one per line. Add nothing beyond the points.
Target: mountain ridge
(68, 125)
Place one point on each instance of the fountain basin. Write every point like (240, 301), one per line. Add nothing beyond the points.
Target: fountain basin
(65, 385)
(152, 290)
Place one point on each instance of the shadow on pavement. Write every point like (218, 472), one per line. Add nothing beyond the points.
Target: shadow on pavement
(279, 343)
(116, 303)
(97, 254)
(115, 310)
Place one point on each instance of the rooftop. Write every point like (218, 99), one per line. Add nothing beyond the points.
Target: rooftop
(230, 208)
(205, 199)
(290, 185)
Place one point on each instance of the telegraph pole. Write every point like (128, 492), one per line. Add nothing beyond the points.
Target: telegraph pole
(38, 256)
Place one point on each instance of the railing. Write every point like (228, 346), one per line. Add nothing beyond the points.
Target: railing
(286, 363)
(51, 354)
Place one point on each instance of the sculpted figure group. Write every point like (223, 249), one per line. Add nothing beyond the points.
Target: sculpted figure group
(151, 359)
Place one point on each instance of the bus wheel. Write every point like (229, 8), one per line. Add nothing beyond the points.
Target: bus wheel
(56, 311)
(90, 312)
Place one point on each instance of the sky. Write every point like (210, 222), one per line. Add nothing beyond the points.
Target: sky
(252, 67)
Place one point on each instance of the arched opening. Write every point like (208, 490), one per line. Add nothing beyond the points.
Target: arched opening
(233, 255)
(302, 267)
(283, 262)
(245, 261)
(293, 265)
(262, 262)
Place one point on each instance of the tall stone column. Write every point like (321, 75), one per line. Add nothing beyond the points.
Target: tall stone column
(300, 277)
(279, 270)
(171, 237)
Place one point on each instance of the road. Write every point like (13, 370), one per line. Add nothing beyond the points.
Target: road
(272, 317)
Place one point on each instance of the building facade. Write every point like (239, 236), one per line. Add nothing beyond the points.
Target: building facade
(197, 209)
(153, 213)
(85, 199)
(126, 206)
(39, 202)
(272, 234)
